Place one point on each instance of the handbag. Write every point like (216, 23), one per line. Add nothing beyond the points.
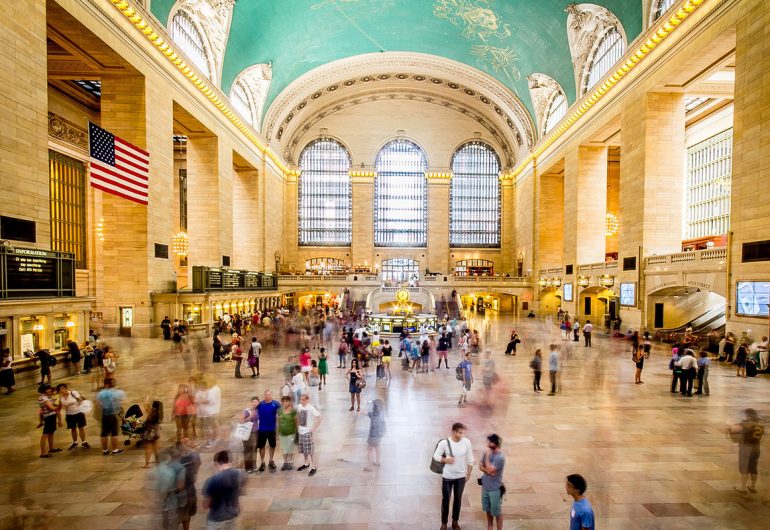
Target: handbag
(243, 431)
(86, 406)
(435, 465)
(361, 382)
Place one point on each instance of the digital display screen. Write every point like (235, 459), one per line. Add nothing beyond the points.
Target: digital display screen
(567, 291)
(752, 299)
(35, 273)
(628, 294)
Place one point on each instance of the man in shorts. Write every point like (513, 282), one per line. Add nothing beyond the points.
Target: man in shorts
(492, 464)
(308, 420)
(110, 400)
(748, 434)
(466, 366)
(267, 410)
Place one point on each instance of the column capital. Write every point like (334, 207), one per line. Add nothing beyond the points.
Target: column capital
(439, 176)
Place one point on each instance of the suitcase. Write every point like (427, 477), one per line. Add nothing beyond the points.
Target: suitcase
(751, 368)
(405, 363)
(380, 371)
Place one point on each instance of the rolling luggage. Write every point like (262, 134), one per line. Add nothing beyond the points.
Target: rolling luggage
(380, 371)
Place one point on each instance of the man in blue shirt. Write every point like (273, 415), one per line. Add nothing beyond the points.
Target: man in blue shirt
(467, 378)
(110, 400)
(553, 367)
(581, 516)
(267, 410)
(492, 488)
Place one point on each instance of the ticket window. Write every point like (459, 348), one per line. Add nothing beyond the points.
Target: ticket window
(31, 332)
(191, 313)
(4, 336)
(63, 330)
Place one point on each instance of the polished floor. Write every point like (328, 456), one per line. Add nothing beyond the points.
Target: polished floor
(652, 459)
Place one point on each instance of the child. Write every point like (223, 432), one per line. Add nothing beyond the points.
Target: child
(287, 430)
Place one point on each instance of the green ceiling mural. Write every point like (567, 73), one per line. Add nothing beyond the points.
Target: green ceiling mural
(508, 39)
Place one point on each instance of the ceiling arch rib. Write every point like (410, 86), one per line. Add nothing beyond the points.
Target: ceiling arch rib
(398, 75)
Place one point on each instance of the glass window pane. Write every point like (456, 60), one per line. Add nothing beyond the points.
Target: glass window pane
(190, 41)
(325, 195)
(660, 7)
(709, 178)
(400, 196)
(474, 205)
(610, 49)
(556, 111)
(241, 103)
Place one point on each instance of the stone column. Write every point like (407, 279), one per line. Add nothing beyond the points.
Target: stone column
(507, 228)
(209, 201)
(292, 223)
(651, 187)
(247, 222)
(362, 249)
(550, 222)
(438, 223)
(585, 205)
(749, 215)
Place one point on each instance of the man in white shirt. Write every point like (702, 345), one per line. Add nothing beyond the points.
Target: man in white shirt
(456, 454)
(764, 353)
(587, 329)
(208, 403)
(689, 364)
(575, 330)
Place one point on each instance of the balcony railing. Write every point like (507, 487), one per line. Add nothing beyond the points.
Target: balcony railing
(710, 256)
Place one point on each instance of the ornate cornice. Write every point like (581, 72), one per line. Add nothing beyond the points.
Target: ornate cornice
(67, 132)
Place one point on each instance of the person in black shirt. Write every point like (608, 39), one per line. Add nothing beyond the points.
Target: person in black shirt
(45, 365)
(443, 347)
(221, 493)
(165, 325)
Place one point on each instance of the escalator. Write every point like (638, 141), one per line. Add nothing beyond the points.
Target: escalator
(707, 326)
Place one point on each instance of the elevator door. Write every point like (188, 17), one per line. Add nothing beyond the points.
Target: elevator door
(658, 316)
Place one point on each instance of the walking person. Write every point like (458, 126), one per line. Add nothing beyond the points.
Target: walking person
(75, 418)
(342, 353)
(208, 402)
(638, 358)
(581, 515)
(109, 400)
(221, 494)
(250, 446)
(704, 363)
(73, 352)
(267, 409)
(354, 385)
(48, 414)
(323, 367)
(492, 489)
(441, 349)
(183, 411)
(537, 369)
(314, 381)
(465, 373)
(253, 358)
(168, 480)
(376, 432)
(308, 421)
(387, 356)
(287, 431)
(151, 432)
(587, 330)
(575, 330)
(515, 340)
(748, 434)
(7, 377)
(191, 462)
(741, 358)
(236, 353)
(553, 367)
(456, 454)
(676, 371)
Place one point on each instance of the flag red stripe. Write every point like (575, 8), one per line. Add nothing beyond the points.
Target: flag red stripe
(118, 174)
(130, 159)
(140, 152)
(118, 184)
(117, 188)
(130, 168)
(113, 192)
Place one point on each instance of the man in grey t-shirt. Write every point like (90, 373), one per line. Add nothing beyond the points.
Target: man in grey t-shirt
(492, 464)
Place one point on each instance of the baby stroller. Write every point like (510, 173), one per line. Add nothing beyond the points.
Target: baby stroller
(130, 424)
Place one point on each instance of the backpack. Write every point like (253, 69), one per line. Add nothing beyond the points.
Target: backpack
(52, 360)
(459, 372)
(435, 465)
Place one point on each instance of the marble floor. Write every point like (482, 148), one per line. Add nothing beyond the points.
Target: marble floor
(651, 459)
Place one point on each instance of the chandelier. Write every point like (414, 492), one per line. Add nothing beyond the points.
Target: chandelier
(612, 225)
(181, 244)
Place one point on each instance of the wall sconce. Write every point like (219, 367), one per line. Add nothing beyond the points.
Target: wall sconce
(100, 229)
(542, 282)
(181, 244)
(607, 280)
(556, 282)
(582, 281)
(612, 225)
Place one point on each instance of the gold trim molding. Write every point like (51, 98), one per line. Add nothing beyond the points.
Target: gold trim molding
(67, 132)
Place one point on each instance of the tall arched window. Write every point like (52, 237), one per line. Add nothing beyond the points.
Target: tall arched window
(400, 196)
(661, 6)
(474, 204)
(190, 41)
(325, 195)
(557, 109)
(610, 49)
(241, 102)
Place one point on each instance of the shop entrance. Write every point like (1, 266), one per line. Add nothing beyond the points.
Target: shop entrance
(397, 271)
(126, 321)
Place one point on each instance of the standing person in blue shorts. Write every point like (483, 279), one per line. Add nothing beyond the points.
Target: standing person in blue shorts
(581, 516)
(267, 411)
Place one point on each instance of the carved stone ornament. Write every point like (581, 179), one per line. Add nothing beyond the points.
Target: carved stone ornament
(541, 89)
(586, 23)
(256, 80)
(66, 131)
(213, 18)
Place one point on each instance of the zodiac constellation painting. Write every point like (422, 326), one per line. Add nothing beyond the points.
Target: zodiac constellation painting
(501, 60)
(474, 16)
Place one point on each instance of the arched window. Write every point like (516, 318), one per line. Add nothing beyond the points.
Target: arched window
(325, 195)
(659, 7)
(190, 41)
(241, 102)
(400, 196)
(610, 49)
(474, 204)
(555, 112)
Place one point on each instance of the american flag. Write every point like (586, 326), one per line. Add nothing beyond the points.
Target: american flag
(118, 167)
